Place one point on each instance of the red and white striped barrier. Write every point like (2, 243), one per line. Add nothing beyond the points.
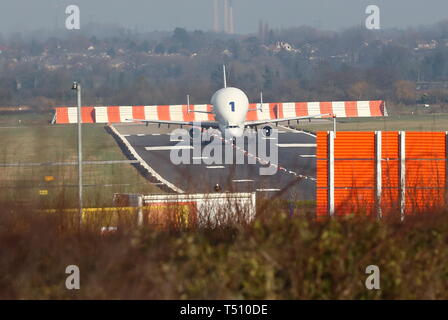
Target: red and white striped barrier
(116, 114)
(70, 115)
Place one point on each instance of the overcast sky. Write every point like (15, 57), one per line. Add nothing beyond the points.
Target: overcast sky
(165, 15)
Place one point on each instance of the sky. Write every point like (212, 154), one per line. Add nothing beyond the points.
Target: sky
(165, 15)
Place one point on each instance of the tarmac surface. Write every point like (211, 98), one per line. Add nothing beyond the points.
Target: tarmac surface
(295, 170)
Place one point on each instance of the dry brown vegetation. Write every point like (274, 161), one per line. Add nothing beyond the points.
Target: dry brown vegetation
(277, 256)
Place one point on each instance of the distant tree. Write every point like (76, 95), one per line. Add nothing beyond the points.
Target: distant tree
(181, 37)
(405, 91)
(111, 52)
(160, 49)
(359, 90)
(94, 40)
(36, 48)
(144, 46)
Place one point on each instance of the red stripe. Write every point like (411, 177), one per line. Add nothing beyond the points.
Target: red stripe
(326, 107)
(351, 108)
(87, 114)
(301, 109)
(211, 116)
(138, 112)
(113, 114)
(375, 108)
(273, 110)
(252, 115)
(61, 115)
(188, 116)
(278, 109)
(163, 112)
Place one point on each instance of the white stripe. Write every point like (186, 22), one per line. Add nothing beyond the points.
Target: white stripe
(307, 155)
(265, 114)
(200, 116)
(72, 115)
(101, 115)
(199, 158)
(363, 108)
(297, 131)
(289, 110)
(164, 148)
(339, 109)
(125, 113)
(176, 113)
(151, 113)
(215, 167)
(268, 190)
(296, 145)
(313, 108)
(141, 135)
(156, 134)
(243, 180)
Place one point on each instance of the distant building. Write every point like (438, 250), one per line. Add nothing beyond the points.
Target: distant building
(15, 109)
(426, 45)
(280, 45)
(431, 85)
(3, 49)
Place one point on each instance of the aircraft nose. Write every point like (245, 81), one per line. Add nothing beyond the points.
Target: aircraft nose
(235, 132)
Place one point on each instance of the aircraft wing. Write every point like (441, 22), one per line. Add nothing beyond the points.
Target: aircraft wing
(260, 122)
(204, 124)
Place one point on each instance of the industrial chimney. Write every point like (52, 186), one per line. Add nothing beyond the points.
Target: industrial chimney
(228, 19)
(226, 16)
(215, 16)
(231, 28)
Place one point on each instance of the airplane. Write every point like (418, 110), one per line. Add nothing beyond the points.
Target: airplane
(230, 106)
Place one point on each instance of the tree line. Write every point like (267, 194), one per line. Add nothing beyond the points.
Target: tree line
(123, 67)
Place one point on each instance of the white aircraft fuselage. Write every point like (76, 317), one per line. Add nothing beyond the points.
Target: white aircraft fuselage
(230, 107)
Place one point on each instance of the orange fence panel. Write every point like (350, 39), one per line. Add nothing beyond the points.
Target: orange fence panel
(409, 177)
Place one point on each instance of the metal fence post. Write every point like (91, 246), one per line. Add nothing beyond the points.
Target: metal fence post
(331, 209)
(140, 210)
(402, 147)
(379, 172)
(77, 86)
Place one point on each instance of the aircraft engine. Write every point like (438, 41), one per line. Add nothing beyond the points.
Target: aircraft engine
(195, 133)
(267, 131)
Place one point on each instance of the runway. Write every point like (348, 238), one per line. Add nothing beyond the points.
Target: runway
(294, 179)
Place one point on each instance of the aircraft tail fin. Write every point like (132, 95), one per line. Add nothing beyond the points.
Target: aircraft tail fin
(188, 104)
(261, 104)
(225, 76)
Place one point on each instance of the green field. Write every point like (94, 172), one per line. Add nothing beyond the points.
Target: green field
(29, 138)
(35, 141)
(435, 122)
